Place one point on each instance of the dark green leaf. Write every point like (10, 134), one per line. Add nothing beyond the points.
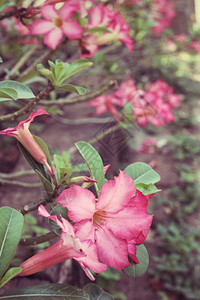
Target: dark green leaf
(94, 163)
(8, 94)
(96, 293)
(47, 292)
(10, 232)
(58, 210)
(146, 189)
(46, 184)
(142, 173)
(44, 147)
(9, 275)
(139, 269)
(23, 91)
(72, 88)
(31, 161)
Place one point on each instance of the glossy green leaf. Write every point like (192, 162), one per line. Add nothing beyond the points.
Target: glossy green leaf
(47, 292)
(94, 163)
(96, 293)
(31, 161)
(72, 88)
(139, 269)
(46, 183)
(44, 147)
(8, 94)
(10, 232)
(23, 91)
(58, 210)
(76, 67)
(147, 189)
(9, 275)
(142, 173)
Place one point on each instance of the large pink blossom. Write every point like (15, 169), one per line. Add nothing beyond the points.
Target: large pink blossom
(117, 29)
(68, 246)
(115, 223)
(23, 135)
(56, 24)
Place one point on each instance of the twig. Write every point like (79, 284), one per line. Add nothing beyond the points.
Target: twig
(88, 96)
(43, 94)
(83, 121)
(17, 174)
(31, 207)
(11, 13)
(20, 183)
(38, 239)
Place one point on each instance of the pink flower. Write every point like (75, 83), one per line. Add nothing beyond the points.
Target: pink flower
(22, 134)
(69, 246)
(55, 24)
(114, 223)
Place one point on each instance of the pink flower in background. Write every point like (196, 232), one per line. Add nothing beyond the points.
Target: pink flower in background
(69, 246)
(105, 103)
(117, 29)
(56, 24)
(195, 46)
(22, 134)
(115, 223)
(148, 146)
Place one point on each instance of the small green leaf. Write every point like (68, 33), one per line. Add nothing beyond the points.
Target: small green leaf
(139, 269)
(1, 60)
(9, 275)
(76, 67)
(142, 173)
(97, 29)
(94, 163)
(63, 172)
(72, 88)
(44, 147)
(46, 184)
(45, 72)
(32, 162)
(147, 189)
(47, 291)
(10, 232)
(96, 293)
(58, 210)
(23, 91)
(7, 94)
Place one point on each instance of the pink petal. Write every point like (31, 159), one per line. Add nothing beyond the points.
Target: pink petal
(68, 11)
(72, 29)
(132, 252)
(111, 250)
(139, 201)
(96, 16)
(79, 201)
(128, 223)
(53, 38)
(116, 194)
(84, 230)
(106, 168)
(41, 27)
(49, 12)
(9, 132)
(32, 116)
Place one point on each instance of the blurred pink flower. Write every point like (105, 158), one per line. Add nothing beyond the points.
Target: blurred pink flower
(115, 223)
(22, 134)
(56, 24)
(148, 146)
(69, 246)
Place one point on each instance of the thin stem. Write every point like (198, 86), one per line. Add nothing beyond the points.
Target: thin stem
(88, 96)
(38, 239)
(43, 94)
(21, 62)
(20, 183)
(31, 207)
(17, 174)
(83, 121)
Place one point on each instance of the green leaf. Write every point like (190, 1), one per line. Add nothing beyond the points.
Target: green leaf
(110, 273)
(1, 60)
(72, 88)
(47, 291)
(58, 210)
(60, 69)
(139, 269)
(7, 94)
(76, 67)
(80, 168)
(45, 72)
(97, 29)
(147, 189)
(9, 275)
(10, 232)
(44, 147)
(46, 183)
(23, 91)
(96, 293)
(142, 173)
(94, 163)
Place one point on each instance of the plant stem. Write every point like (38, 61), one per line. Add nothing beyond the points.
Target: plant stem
(11, 13)
(28, 107)
(20, 183)
(38, 239)
(31, 207)
(17, 174)
(84, 121)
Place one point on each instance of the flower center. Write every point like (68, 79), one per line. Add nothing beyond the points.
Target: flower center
(98, 218)
(58, 22)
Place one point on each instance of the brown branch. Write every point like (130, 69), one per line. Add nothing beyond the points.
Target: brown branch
(38, 239)
(31, 207)
(13, 12)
